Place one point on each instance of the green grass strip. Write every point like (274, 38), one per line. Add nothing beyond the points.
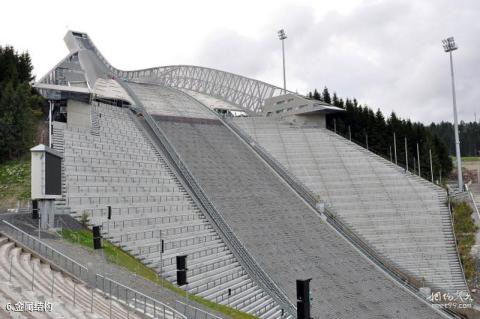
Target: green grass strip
(465, 229)
(120, 257)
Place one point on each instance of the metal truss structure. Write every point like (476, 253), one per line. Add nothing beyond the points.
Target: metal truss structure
(249, 94)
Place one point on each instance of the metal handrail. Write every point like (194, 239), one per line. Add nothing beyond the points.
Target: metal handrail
(148, 302)
(63, 263)
(76, 269)
(384, 157)
(196, 310)
(474, 203)
(250, 264)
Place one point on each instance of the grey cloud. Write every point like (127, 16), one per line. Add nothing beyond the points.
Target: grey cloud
(386, 53)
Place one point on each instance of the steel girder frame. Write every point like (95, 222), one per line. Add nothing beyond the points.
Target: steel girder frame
(54, 75)
(246, 93)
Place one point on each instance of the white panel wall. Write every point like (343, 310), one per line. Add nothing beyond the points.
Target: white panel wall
(78, 114)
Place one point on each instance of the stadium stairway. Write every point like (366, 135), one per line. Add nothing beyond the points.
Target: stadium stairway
(402, 216)
(114, 164)
(283, 234)
(18, 267)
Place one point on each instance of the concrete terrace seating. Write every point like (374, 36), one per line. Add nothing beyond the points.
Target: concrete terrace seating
(282, 233)
(118, 166)
(402, 216)
(19, 288)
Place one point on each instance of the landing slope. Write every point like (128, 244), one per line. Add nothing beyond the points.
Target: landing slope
(282, 233)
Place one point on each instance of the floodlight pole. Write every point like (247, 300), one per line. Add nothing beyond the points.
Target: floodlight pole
(449, 46)
(282, 36)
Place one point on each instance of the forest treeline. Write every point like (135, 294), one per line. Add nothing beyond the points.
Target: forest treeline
(20, 106)
(364, 125)
(469, 134)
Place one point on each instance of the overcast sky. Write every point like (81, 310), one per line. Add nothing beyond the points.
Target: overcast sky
(387, 54)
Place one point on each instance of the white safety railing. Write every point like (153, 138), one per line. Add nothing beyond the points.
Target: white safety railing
(193, 312)
(47, 252)
(132, 298)
(136, 300)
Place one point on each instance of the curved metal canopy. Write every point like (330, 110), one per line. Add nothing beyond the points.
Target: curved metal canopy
(246, 93)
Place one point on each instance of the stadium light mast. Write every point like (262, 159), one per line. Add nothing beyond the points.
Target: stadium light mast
(449, 46)
(282, 36)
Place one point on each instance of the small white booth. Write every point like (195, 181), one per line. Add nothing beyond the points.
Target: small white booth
(46, 178)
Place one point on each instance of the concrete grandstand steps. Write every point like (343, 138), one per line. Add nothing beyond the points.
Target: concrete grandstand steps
(93, 153)
(62, 304)
(150, 233)
(204, 282)
(121, 188)
(165, 228)
(145, 247)
(239, 287)
(201, 265)
(120, 225)
(143, 210)
(144, 238)
(212, 248)
(264, 214)
(80, 200)
(75, 138)
(89, 160)
(118, 179)
(202, 275)
(118, 167)
(391, 210)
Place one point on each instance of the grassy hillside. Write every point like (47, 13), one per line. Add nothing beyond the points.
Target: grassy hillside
(465, 229)
(14, 183)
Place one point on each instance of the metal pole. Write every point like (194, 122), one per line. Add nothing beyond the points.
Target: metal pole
(74, 288)
(91, 302)
(390, 148)
(10, 272)
(284, 78)
(418, 156)
(455, 122)
(335, 125)
(349, 133)
(406, 155)
(161, 258)
(186, 295)
(50, 124)
(39, 223)
(366, 138)
(414, 165)
(128, 304)
(395, 147)
(53, 283)
(431, 164)
(33, 275)
(103, 265)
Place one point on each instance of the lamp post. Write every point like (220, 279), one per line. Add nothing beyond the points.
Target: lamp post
(449, 46)
(282, 36)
